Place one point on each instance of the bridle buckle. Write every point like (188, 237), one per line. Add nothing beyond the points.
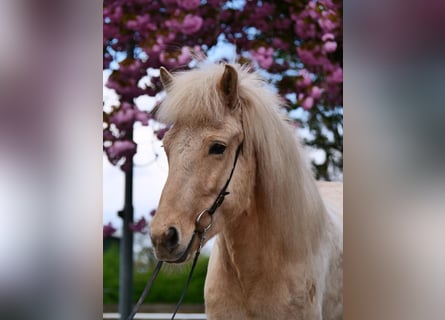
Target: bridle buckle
(203, 228)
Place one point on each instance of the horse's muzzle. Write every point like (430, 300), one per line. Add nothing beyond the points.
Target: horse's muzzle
(168, 248)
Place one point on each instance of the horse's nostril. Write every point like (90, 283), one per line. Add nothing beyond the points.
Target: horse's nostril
(171, 238)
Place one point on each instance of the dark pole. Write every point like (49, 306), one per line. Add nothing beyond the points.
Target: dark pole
(126, 249)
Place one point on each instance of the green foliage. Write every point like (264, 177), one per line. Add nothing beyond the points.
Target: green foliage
(111, 275)
(167, 287)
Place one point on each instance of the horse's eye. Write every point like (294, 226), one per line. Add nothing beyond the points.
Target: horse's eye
(217, 148)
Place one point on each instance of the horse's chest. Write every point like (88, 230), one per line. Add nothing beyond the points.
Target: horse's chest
(226, 298)
(236, 305)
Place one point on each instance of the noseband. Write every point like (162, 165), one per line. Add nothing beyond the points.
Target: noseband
(200, 231)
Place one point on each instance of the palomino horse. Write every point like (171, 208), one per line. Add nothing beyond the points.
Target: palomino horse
(278, 254)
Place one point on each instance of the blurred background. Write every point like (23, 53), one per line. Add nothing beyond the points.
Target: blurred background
(52, 74)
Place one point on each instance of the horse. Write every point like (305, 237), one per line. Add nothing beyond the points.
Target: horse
(278, 250)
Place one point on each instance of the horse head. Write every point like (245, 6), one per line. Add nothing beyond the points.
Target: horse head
(205, 114)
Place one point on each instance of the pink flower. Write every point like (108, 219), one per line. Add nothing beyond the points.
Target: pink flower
(118, 13)
(171, 24)
(265, 9)
(336, 76)
(142, 117)
(185, 56)
(306, 56)
(108, 135)
(127, 115)
(123, 118)
(300, 96)
(283, 24)
(140, 226)
(279, 44)
(263, 56)
(327, 25)
(189, 4)
(265, 62)
(191, 24)
(160, 133)
(330, 46)
(138, 23)
(166, 59)
(132, 25)
(108, 230)
(307, 103)
(304, 30)
(327, 36)
(306, 81)
(313, 13)
(121, 148)
(316, 92)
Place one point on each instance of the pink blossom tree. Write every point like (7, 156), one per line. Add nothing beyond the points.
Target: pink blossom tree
(298, 45)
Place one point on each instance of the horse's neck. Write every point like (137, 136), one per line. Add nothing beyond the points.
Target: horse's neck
(261, 241)
(246, 251)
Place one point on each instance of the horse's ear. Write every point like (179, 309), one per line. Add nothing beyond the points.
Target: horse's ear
(229, 86)
(166, 78)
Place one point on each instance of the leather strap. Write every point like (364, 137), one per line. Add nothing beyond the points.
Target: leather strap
(220, 198)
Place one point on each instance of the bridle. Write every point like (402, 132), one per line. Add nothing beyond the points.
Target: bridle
(200, 232)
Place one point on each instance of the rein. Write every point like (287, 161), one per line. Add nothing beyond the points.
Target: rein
(200, 231)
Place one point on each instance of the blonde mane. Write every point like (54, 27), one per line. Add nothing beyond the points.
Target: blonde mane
(284, 181)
